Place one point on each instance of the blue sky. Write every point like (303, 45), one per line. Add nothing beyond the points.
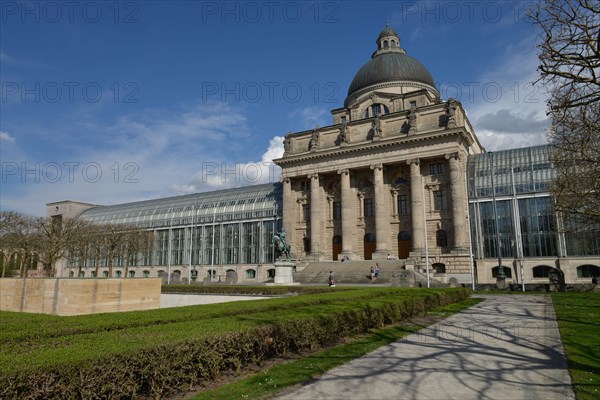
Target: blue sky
(111, 102)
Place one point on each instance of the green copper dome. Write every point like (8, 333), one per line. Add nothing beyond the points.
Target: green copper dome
(389, 67)
(389, 63)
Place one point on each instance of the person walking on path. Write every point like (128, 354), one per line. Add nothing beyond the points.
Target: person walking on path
(372, 274)
(377, 270)
(331, 281)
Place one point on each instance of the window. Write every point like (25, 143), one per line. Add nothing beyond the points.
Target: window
(337, 210)
(306, 243)
(132, 274)
(146, 274)
(271, 273)
(306, 212)
(369, 212)
(587, 271)
(441, 238)
(376, 108)
(439, 268)
(440, 203)
(250, 274)
(93, 274)
(413, 104)
(82, 274)
(105, 274)
(436, 169)
(118, 274)
(541, 271)
(403, 204)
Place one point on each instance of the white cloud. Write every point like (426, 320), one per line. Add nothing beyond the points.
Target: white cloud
(152, 154)
(311, 116)
(505, 108)
(215, 175)
(6, 137)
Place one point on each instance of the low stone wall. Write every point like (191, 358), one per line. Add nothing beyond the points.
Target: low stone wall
(63, 296)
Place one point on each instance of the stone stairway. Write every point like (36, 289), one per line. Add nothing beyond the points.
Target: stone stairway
(358, 272)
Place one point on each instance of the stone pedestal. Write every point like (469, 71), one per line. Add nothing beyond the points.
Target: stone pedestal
(283, 274)
(501, 283)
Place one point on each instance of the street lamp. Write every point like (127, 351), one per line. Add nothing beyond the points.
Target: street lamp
(500, 275)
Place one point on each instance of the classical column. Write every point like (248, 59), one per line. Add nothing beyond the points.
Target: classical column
(382, 215)
(348, 219)
(459, 207)
(316, 217)
(416, 205)
(289, 214)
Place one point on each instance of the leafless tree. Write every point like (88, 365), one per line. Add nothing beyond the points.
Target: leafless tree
(569, 54)
(55, 236)
(19, 237)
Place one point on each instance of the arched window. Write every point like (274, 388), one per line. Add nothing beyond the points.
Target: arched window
(82, 274)
(441, 239)
(404, 236)
(250, 274)
(105, 274)
(376, 109)
(132, 274)
(588, 271)
(118, 274)
(93, 273)
(385, 44)
(271, 273)
(507, 272)
(541, 271)
(370, 238)
(146, 274)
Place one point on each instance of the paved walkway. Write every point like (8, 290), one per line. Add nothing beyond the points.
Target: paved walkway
(506, 347)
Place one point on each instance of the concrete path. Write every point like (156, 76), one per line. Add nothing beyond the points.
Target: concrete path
(506, 347)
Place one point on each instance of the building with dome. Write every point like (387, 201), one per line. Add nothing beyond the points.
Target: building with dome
(399, 174)
(388, 177)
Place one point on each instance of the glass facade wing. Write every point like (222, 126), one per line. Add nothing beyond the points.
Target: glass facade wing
(251, 202)
(517, 171)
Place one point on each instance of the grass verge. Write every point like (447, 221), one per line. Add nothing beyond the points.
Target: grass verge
(578, 316)
(269, 382)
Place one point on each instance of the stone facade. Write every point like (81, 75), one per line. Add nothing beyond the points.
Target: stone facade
(388, 171)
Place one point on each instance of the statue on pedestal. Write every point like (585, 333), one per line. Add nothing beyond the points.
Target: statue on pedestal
(281, 246)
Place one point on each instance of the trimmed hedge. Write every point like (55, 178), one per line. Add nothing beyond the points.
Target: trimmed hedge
(249, 290)
(169, 366)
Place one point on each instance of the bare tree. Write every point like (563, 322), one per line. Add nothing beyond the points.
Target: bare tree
(570, 65)
(55, 236)
(135, 245)
(19, 237)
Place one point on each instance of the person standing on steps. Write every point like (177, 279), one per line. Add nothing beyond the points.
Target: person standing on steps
(372, 274)
(377, 271)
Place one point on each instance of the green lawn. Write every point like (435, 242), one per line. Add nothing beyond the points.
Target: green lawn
(578, 316)
(157, 353)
